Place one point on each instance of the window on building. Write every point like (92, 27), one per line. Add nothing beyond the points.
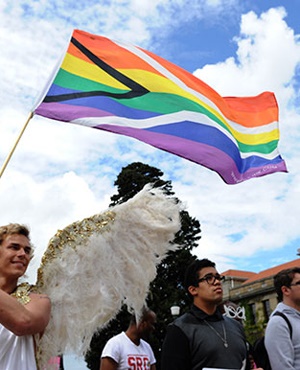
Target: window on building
(267, 309)
(252, 312)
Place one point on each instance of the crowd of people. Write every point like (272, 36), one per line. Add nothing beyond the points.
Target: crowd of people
(209, 336)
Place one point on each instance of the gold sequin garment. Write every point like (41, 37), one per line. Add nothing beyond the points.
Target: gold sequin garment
(22, 293)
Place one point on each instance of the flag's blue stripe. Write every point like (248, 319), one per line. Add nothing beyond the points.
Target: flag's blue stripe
(213, 137)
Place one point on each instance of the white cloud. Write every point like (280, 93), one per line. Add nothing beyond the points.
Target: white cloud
(261, 62)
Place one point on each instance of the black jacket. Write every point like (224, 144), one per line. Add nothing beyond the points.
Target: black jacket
(193, 344)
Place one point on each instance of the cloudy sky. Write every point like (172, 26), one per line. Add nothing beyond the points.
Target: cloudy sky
(60, 173)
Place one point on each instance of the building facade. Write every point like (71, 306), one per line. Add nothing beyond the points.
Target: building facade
(254, 291)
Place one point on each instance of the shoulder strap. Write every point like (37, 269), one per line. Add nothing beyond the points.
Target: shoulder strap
(278, 313)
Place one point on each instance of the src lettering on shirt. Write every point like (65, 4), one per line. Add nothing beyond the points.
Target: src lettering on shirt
(138, 362)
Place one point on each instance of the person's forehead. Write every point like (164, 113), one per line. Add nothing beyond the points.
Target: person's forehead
(151, 316)
(16, 239)
(296, 276)
(207, 270)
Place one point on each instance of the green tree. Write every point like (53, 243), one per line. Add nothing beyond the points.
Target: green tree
(254, 329)
(134, 177)
(167, 288)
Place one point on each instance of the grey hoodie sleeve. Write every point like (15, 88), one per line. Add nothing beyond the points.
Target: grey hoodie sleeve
(279, 344)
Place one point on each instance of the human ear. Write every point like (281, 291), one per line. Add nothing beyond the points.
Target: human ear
(285, 290)
(192, 290)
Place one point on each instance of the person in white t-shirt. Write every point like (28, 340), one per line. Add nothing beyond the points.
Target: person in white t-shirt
(127, 350)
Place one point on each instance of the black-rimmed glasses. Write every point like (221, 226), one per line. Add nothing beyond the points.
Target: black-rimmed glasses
(295, 284)
(211, 278)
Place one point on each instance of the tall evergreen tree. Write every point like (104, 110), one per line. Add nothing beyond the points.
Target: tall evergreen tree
(167, 288)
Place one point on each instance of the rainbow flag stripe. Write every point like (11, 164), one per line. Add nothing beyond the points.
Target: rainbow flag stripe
(124, 89)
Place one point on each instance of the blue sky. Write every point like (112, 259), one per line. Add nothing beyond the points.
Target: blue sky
(61, 173)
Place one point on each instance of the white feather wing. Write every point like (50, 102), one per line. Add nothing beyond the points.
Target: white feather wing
(95, 265)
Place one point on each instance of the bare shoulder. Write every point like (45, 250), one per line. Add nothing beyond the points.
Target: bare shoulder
(39, 303)
(39, 296)
(40, 306)
(26, 294)
(40, 299)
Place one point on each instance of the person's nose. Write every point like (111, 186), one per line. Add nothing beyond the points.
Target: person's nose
(217, 282)
(21, 253)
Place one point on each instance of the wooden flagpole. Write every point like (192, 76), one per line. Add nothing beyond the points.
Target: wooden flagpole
(15, 145)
